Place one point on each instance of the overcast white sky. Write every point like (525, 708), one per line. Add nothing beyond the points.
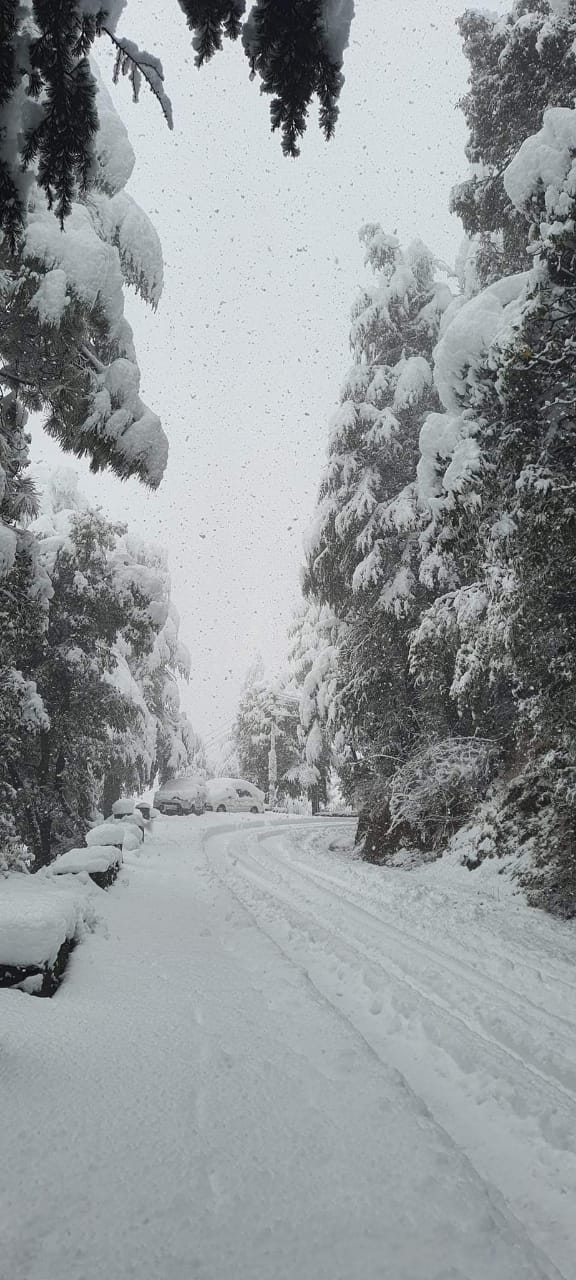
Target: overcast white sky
(245, 356)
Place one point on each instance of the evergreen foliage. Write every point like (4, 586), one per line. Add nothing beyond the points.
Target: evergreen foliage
(262, 709)
(444, 537)
(89, 700)
(286, 46)
(363, 547)
(520, 65)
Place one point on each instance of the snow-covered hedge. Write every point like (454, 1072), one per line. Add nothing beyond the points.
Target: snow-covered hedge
(40, 921)
(122, 808)
(97, 859)
(108, 833)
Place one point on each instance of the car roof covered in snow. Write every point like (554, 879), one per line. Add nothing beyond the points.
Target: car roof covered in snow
(218, 785)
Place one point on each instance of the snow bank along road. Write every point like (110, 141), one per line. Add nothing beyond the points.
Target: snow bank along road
(271, 1062)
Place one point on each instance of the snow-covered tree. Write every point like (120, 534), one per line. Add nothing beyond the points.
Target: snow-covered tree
(59, 772)
(97, 677)
(66, 349)
(24, 591)
(264, 710)
(363, 546)
(358, 546)
(311, 646)
(496, 477)
(520, 63)
(49, 115)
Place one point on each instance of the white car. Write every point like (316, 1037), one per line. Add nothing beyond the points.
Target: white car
(233, 795)
(181, 796)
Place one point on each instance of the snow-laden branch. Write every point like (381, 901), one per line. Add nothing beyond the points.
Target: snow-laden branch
(138, 64)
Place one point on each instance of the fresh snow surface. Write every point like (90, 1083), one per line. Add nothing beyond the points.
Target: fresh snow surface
(106, 833)
(99, 857)
(545, 164)
(36, 916)
(122, 808)
(274, 1062)
(133, 838)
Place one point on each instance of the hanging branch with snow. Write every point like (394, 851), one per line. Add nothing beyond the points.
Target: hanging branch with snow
(139, 65)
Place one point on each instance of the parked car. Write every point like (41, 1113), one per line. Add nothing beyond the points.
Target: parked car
(233, 795)
(181, 796)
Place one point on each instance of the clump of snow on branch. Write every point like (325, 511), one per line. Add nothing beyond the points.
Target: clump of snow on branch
(114, 157)
(107, 242)
(461, 353)
(545, 167)
(140, 65)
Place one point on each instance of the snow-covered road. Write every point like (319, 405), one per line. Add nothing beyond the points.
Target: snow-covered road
(272, 1062)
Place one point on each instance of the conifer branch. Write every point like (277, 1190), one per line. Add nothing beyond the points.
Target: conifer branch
(137, 64)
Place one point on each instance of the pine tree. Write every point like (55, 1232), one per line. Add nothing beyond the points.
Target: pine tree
(263, 710)
(24, 591)
(520, 65)
(311, 639)
(295, 47)
(363, 550)
(497, 478)
(58, 775)
(157, 738)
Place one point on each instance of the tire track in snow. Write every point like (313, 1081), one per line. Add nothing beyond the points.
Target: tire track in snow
(356, 951)
(308, 940)
(460, 972)
(554, 979)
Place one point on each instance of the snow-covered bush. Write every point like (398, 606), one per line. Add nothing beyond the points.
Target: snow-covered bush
(40, 922)
(439, 785)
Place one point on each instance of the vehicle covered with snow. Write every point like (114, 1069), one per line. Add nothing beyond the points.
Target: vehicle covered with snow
(181, 796)
(234, 795)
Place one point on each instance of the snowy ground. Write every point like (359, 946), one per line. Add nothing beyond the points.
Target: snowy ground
(271, 1062)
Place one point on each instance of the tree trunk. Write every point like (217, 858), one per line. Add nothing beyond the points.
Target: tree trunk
(44, 854)
(111, 791)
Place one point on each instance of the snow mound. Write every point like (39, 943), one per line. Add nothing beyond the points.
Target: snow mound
(135, 820)
(97, 858)
(108, 833)
(132, 840)
(122, 808)
(37, 915)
